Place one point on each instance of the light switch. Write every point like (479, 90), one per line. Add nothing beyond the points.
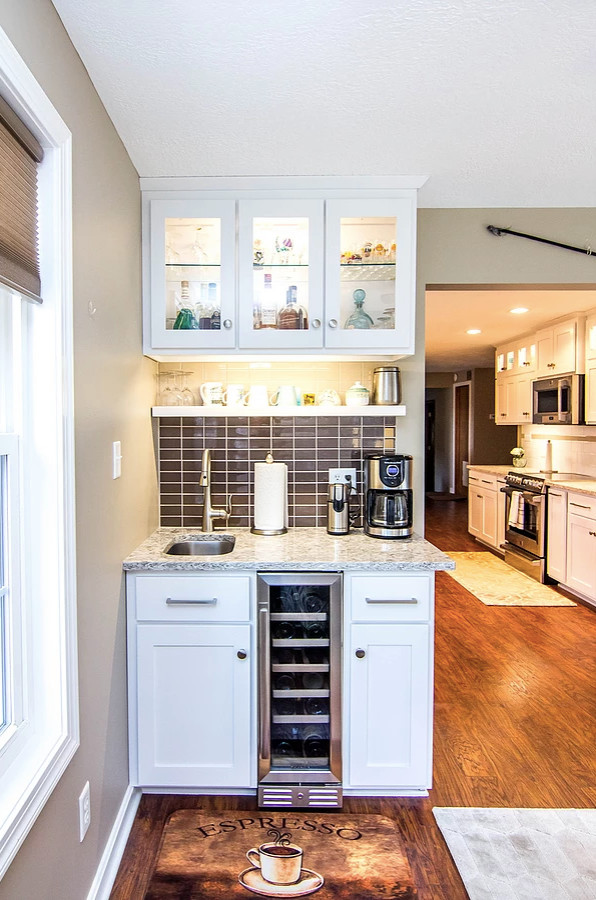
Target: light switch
(116, 459)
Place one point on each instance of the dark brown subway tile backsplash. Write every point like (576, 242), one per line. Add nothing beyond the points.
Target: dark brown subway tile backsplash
(308, 445)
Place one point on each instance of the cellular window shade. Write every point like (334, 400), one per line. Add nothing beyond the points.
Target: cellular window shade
(20, 154)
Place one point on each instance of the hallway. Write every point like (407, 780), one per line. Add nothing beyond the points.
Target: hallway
(515, 719)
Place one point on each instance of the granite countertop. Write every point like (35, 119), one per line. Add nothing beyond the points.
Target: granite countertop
(306, 549)
(569, 481)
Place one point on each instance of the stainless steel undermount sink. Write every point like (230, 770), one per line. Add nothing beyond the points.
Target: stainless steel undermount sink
(201, 545)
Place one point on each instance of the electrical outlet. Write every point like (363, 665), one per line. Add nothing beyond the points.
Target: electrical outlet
(116, 459)
(340, 476)
(84, 811)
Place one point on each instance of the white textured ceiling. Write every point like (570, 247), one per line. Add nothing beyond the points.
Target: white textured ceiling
(492, 99)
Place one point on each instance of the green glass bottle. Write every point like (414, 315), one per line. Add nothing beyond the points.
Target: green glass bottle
(359, 318)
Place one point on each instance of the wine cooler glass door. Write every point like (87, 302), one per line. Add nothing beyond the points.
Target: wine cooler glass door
(299, 690)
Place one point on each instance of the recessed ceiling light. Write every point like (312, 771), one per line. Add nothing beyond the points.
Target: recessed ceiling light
(473, 331)
(519, 310)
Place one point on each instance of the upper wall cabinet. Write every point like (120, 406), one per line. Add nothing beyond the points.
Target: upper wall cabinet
(279, 271)
(560, 348)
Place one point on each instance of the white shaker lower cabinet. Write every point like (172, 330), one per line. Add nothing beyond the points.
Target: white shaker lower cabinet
(581, 545)
(484, 498)
(191, 676)
(389, 680)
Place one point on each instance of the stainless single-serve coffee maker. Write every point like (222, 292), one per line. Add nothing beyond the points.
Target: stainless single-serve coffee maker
(388, 496)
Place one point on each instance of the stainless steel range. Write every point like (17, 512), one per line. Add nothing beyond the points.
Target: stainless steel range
(525, 523)
(525, 519)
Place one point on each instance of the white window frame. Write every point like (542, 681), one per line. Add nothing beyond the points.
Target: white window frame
(44, 733)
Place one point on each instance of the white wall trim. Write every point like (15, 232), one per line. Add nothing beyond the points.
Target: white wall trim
(360, 183)
(24, 94)
(116, 843)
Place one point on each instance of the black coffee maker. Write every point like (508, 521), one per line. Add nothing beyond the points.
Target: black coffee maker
(388, 496)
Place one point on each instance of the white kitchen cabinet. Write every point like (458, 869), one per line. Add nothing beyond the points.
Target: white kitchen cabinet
(388, 677)
(189, 276)
(191, 671)
(278, 270)
(389, 705)
(560, 348)
(516, 357)
(556, 551)
(194, 703)
(581, 545)
(483, 502)
(514, 400)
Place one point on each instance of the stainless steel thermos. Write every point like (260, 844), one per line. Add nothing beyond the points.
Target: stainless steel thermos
(338, 509)
(386, 386)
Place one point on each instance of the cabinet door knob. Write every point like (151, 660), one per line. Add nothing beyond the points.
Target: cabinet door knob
(316, 323)
(227, 323)
(242, 654)
(332, 323)
(593, 533)
(360, 654)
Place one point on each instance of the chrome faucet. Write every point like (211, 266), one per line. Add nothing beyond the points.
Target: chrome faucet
(209, 512)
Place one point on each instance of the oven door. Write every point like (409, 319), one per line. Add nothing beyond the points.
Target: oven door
(525, 520)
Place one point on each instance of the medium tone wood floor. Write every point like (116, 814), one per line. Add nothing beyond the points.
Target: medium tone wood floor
(515, 714)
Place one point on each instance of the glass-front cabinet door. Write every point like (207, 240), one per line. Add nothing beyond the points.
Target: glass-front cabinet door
(281, 274)
(192, 274)
(370, 274)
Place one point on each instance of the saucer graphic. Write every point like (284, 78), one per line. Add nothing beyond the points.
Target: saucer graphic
(308, 883)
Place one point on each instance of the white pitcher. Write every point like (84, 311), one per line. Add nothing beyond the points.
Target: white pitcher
(212, 393)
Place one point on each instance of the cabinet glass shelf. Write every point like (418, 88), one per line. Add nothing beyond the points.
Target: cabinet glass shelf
(192, 265)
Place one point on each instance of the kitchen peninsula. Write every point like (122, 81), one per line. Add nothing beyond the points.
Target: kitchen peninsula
(193, 658)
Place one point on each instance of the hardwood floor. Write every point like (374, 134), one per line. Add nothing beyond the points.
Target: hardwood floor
(515, 722)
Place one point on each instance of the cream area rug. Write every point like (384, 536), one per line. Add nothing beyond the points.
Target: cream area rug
(522, 854)
(496, 584)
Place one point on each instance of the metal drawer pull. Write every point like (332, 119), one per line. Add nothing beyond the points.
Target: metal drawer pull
(485, 481)
(391, 600)
(360, 654)
(209, 601)
(579, 505)
(552, 494)
(242, 654)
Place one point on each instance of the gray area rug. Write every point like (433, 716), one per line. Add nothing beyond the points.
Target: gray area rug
(522, 854)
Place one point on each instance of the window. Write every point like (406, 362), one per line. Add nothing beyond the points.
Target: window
(38, 674)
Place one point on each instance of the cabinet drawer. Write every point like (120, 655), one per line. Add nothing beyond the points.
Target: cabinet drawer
(390, 598)
(482, 479)
(582, 505)
(204, 598)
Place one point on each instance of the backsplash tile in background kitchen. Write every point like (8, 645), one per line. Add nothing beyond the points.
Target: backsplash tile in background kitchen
(308, 445)
(573, 447)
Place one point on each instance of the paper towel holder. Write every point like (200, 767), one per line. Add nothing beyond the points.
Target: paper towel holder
(269, 531)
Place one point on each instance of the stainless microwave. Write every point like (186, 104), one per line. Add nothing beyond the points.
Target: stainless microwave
(558, 401)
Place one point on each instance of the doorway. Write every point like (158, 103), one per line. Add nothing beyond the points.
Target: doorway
(461, 450)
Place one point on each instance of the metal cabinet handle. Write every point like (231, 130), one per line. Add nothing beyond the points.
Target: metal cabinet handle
(199, 601)
(332, 323)
(552, 494)
(484, 481)
(227, 323)
(579, 505)
(316, 323)
(391, 600)
(479, 496)
(360, 654)
(593, 533)
(242, 654)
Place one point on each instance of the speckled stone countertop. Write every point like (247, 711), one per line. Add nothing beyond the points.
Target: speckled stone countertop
(581, 484)
(308, 549)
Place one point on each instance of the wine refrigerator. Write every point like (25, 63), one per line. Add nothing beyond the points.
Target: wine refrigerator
(299, 636)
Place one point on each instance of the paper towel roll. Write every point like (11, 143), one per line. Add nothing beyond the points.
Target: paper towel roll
(271, 498)
(548, 457)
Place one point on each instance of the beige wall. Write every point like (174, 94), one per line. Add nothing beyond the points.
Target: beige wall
(113, 390)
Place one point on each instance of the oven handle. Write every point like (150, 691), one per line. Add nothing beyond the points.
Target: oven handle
(533, 499)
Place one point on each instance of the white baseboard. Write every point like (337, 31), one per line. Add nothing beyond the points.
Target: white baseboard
(114, 849)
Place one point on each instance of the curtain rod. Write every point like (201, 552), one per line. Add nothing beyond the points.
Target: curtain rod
(498, 232)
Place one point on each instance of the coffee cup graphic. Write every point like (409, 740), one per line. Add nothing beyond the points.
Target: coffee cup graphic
(279, 863)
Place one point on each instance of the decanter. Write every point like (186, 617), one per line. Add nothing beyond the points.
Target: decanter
(359, 318)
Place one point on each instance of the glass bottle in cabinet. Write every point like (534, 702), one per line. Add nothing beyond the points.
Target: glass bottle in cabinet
(370, 274)
(192, 274)
(281, 273)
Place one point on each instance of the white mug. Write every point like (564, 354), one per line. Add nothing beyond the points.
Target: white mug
(234, 395)
(212, 393)
(278, 864)
(257, 396)
(286, 395)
